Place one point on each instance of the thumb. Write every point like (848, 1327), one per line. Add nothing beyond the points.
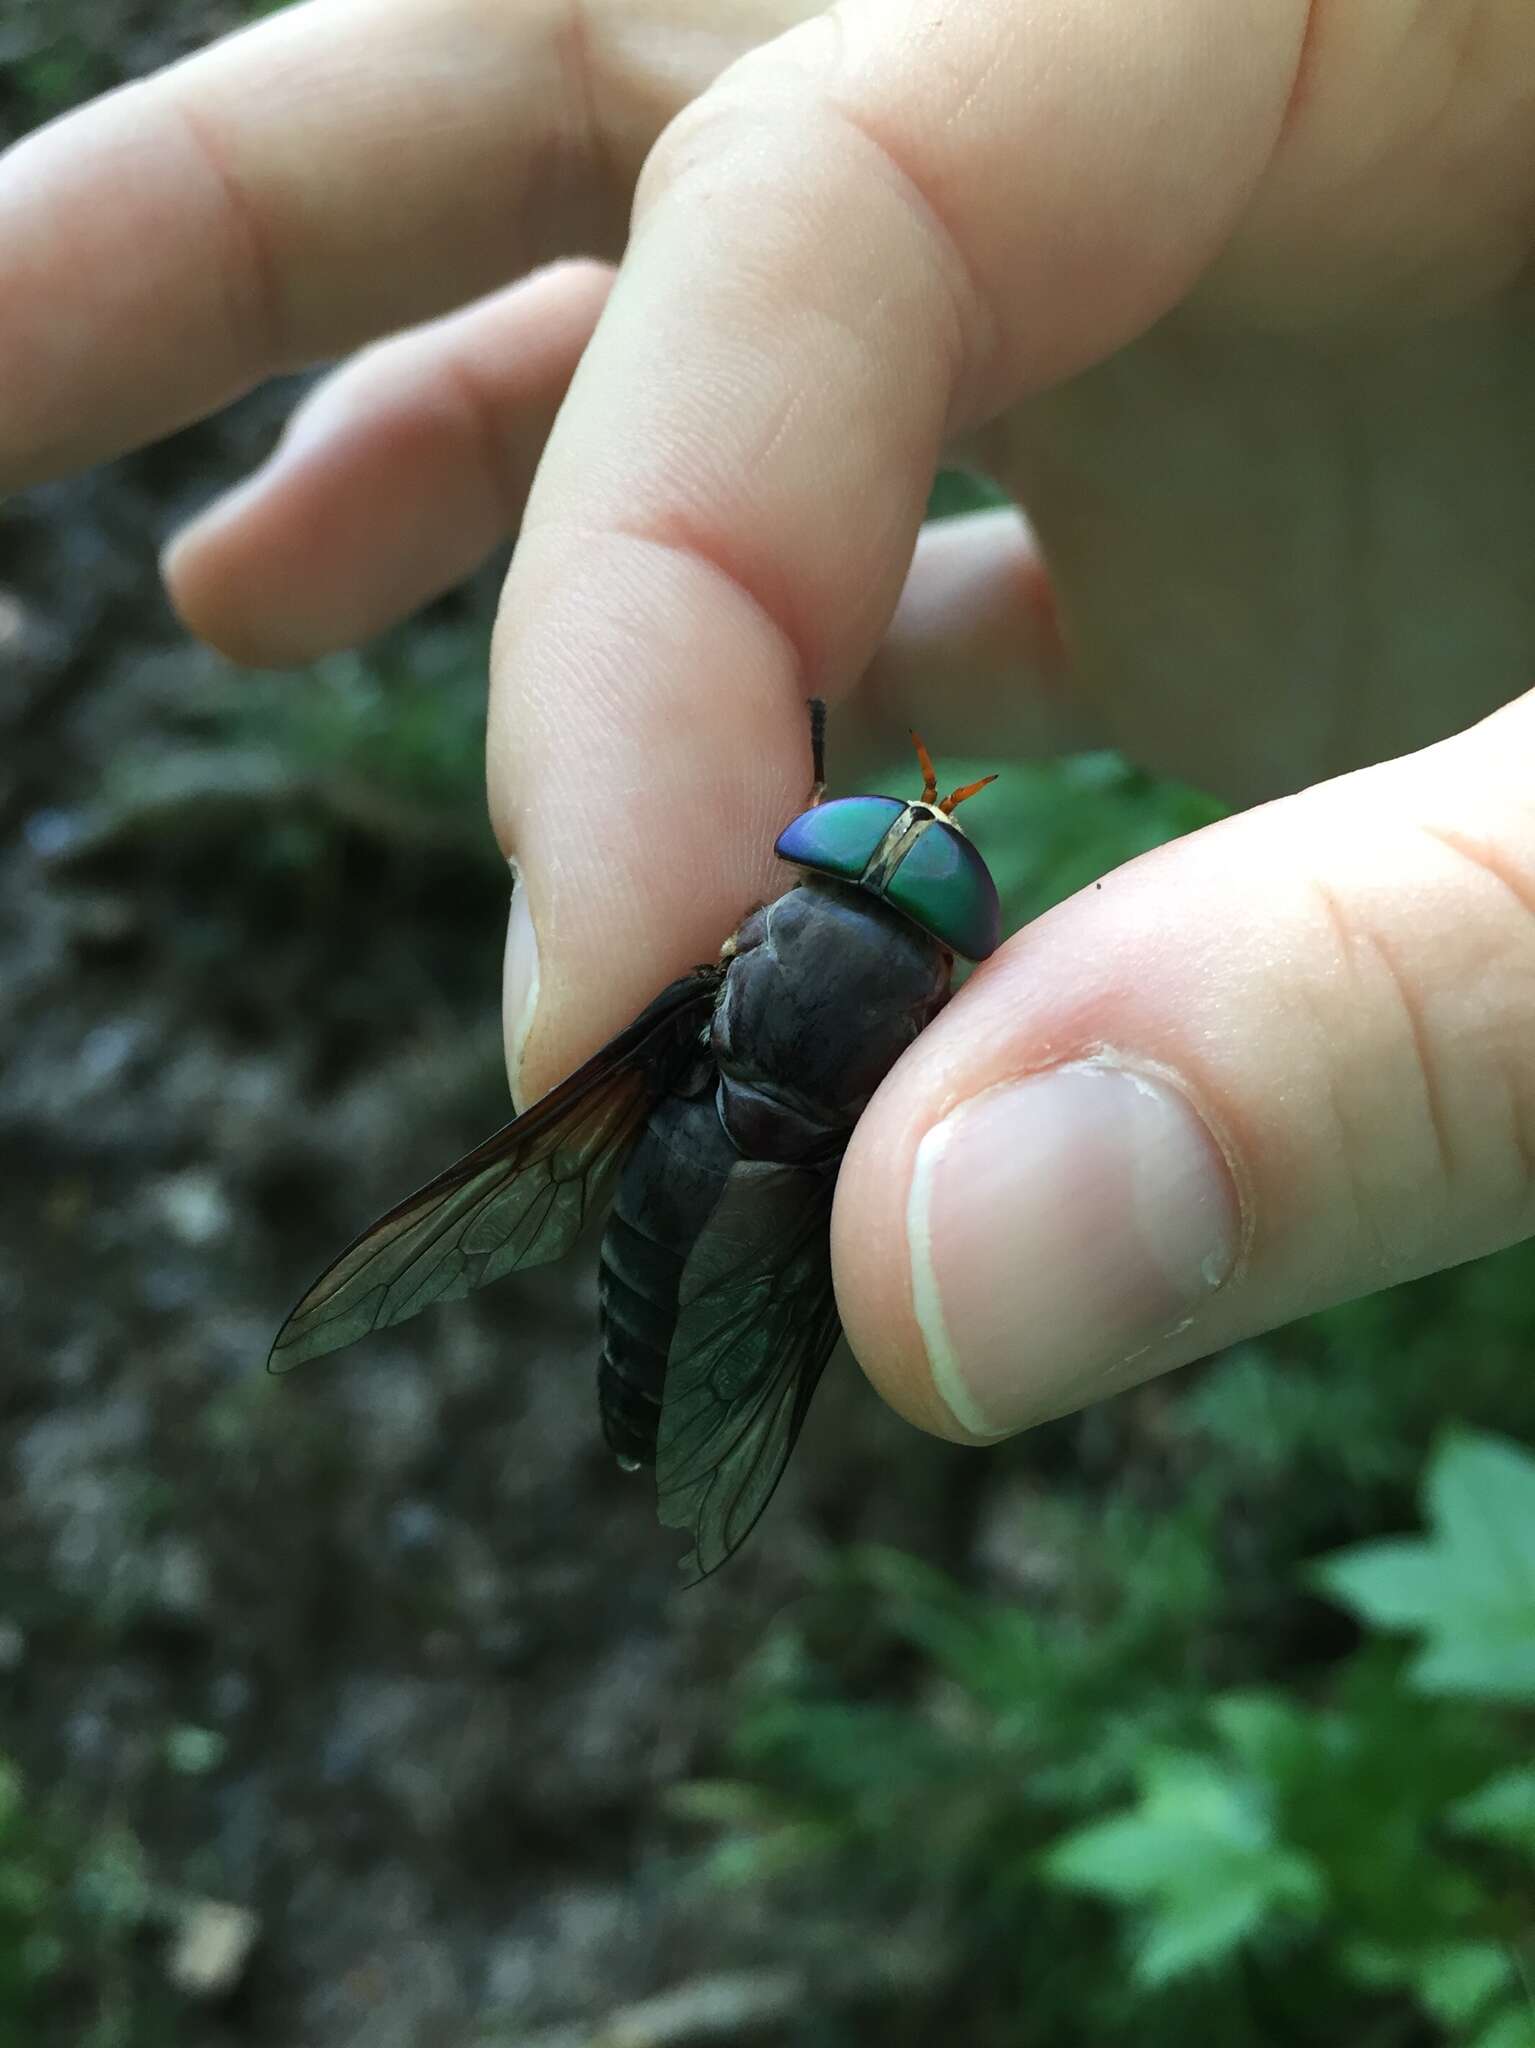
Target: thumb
(1280, 1063)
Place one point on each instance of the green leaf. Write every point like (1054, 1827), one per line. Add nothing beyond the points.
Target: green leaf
(1199, 1860)
(1268, 1733)
(1398, 1585)
(957, 491)
(1469, 1590)
(1513, 2027)
(1503, 1809)
(1456, 1979)
(1202, 1933)
(1374, 1963)
(194, 1751)
(720, 1802)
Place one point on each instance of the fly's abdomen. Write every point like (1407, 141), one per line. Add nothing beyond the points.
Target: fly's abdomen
(666, 1193)
(637, 1294)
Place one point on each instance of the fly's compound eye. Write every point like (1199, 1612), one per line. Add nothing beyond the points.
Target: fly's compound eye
(840, 837)
(912, 856)
(942, 884)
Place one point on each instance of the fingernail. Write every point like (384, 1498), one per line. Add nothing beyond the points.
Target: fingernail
(519, 985)
(176, 547)
(1057, 1226)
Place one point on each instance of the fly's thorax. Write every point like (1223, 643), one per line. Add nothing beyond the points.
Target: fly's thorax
(827, 988)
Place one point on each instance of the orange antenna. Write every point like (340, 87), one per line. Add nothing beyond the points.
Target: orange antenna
(951, 803)
(929, 772)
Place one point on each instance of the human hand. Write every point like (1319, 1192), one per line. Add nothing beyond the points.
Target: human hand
(1234, 299)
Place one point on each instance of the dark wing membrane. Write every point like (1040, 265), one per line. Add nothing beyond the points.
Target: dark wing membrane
(519, 1199)
(756, 1323)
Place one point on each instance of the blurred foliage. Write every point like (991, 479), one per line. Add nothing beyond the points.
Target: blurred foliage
(49, 64)
(389, 745)
(56, 54)
(1164, 1792)
(28, 1950)
(956, 491)
(75, 1904)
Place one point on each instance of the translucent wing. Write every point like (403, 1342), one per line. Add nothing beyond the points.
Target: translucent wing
(519, 1199)
(757, 1321)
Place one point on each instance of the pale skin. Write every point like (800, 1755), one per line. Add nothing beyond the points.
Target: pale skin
(1234, 296)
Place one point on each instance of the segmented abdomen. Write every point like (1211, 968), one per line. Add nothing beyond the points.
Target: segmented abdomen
(665, 1195)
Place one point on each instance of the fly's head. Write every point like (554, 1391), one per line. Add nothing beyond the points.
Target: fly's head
(909, 852)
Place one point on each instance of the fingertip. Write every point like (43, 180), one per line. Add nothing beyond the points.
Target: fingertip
(394, 478)
(204, 571)
(955, 1398)
(881, 1289)
(519, 986)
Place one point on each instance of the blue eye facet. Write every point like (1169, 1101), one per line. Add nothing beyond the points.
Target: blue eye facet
(840, 837)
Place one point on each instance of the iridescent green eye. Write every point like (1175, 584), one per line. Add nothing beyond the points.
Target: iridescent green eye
(840, 837)
(937, 879)
(944, 886)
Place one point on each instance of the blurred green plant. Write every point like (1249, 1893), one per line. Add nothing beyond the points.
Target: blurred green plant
(956, 491)
(55, 54)
(74, 1906)
(387, 744)
(1359, 1824)
(28, 1949)
(1148, 1801)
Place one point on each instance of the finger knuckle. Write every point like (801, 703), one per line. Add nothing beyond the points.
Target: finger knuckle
(255, 312)
(1494, 991)
(1422, 1010)
(792, 155)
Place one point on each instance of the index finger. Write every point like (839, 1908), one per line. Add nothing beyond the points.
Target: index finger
(339, 170)
(866, 237)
